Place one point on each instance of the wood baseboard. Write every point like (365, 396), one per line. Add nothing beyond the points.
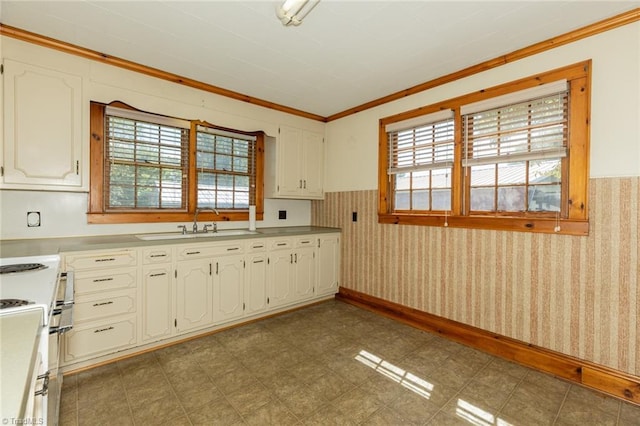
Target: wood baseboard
(604, 379)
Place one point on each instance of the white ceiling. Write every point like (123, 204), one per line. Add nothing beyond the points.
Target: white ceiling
(344, 54)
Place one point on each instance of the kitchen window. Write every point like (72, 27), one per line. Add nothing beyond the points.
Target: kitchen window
(421, 161)
(144, 160)
(225, 168)
(513, 157)
(152, 168)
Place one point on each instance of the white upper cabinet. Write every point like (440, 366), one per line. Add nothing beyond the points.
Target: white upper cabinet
(42, 128)
(294, 164)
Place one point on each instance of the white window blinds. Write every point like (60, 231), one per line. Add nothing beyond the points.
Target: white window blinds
(531, 129)
(422, 143)
(145, 161)
(226, 168)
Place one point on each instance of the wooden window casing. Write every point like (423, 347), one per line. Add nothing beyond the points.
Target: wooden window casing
(572, 216)
(100, 210)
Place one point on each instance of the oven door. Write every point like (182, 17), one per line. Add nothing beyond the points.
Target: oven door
(61, 322)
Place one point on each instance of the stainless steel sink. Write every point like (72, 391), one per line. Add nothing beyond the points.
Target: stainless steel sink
(226, 233)
(179, 235)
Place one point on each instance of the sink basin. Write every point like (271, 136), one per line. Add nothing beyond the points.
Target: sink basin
(169, 236)
(179, 236)
(226, 233)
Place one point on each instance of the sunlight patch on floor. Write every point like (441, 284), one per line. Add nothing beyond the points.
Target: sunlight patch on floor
(477, 416)
(397, 374)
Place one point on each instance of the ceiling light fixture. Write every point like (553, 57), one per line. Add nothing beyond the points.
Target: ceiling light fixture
(292, 12)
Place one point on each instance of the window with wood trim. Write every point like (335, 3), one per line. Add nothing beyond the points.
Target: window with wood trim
(421, 161)
(152, 168)
(145, 162)
(513, 157)
(225, 164)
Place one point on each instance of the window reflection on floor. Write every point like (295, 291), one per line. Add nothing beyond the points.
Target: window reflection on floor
(464, 410)
(397, 374)
(477, 416)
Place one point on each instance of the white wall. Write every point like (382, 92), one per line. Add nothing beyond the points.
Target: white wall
(64, 213)
(615, 110)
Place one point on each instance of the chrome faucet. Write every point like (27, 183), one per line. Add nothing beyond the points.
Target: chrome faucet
(195, 221)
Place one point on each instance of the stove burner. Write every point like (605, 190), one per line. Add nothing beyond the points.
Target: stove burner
(13, 303)
(21, 267)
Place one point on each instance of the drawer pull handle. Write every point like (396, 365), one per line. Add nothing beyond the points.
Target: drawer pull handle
(99, 280)
(107, 259)
(258, 246)
(158, 255)
(258, 261)
(193, 252)
(158, 274)
(305, 242)
(233, 248)
(281, 244)
(100, 330)
(110, 302)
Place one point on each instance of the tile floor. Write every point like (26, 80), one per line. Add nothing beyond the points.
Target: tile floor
(329, 364)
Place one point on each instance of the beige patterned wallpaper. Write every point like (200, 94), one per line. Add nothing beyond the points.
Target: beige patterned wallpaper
(575, 295)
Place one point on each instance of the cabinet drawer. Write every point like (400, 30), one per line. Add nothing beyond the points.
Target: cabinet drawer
(257, 246)
(205, 251)
(156, 255)
(104, 280)
(101, 260)
(100, 305)
(309, 241)
(280, 244)
(90, 340)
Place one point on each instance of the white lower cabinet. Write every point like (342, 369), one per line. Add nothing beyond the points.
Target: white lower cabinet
(106, 302)
(255, 284)
(304, 269)
(228, 288)
(328, 264)
(280, 273)
(194, 307)
(291, 270)
(156, 311)
(183, 288)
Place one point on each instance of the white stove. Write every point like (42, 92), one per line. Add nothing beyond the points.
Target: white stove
(29, 282)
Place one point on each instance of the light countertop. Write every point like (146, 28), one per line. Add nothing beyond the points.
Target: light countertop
(44, 246)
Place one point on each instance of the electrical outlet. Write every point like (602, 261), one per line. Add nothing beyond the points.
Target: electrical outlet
(33, 219)
(282, 214)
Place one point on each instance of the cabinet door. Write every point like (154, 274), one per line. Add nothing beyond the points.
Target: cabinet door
(290, 162)
(305, 272)
(228, 288)
(255, 295)
(313, 165)
(328, 264)
(280, 278)
(42, 128)
(156, 316)
(193, 295)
